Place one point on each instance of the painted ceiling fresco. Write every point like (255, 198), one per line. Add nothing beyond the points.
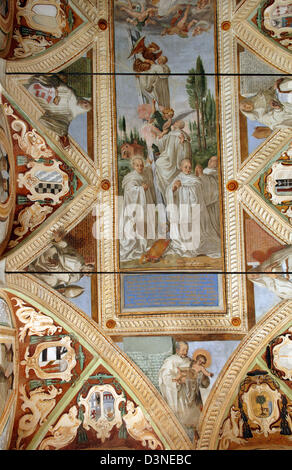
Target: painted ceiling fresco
(145, 224)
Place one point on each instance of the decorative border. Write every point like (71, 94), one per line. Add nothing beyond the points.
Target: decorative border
(37, 293)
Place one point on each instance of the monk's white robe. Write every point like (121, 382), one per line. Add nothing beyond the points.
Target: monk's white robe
(157, 85)
(211, 196)
(279, 262)
(184, 399)
(172, 152)
(182, 225)
(174, 394)
(59, 265)
(265, 114)
(58, 117)
(143, 85)
(133, 228)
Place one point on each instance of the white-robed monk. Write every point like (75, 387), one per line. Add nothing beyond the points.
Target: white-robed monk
(157, 84)
(209, 178)
(189, 236)
(59, 101)
(139, 192)
(266, 108)
(173, 147)
(183, 395)
(279, 281)
(173, 392)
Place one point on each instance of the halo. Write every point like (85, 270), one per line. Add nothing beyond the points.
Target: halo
(205, 353)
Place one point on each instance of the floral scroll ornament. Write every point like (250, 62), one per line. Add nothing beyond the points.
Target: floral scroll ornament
(35, 323)
(29, 141)
(64, 432)
(40, 403)
(28, 46)
(139, 428)
(29, 218)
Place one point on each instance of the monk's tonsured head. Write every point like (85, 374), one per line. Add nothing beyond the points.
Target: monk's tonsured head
(246, 105)
(138, 164)
(213, 162)
(186, 166)
(182, 348)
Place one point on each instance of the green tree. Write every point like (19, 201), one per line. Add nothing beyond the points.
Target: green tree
(191, 87)
(261, 399)
(196, 87)
(201, 90)
(209, 113)
(124, 127)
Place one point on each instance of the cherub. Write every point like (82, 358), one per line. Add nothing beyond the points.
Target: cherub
(201, 27)
(197, 365)
(139, 15)
(161, 121)
(179, 24)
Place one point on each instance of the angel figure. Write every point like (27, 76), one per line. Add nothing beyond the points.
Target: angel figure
(179, 24)
(145, 56)
(139, 16)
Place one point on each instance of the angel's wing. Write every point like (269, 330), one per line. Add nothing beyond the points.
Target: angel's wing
(180, 116)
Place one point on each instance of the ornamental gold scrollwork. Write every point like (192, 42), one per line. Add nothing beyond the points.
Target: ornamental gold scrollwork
(29, 141)
(29, 218)
(40, 404)
(64, 432)
(53, 21)
(28, 46)
(35, 323)
(139, 428)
